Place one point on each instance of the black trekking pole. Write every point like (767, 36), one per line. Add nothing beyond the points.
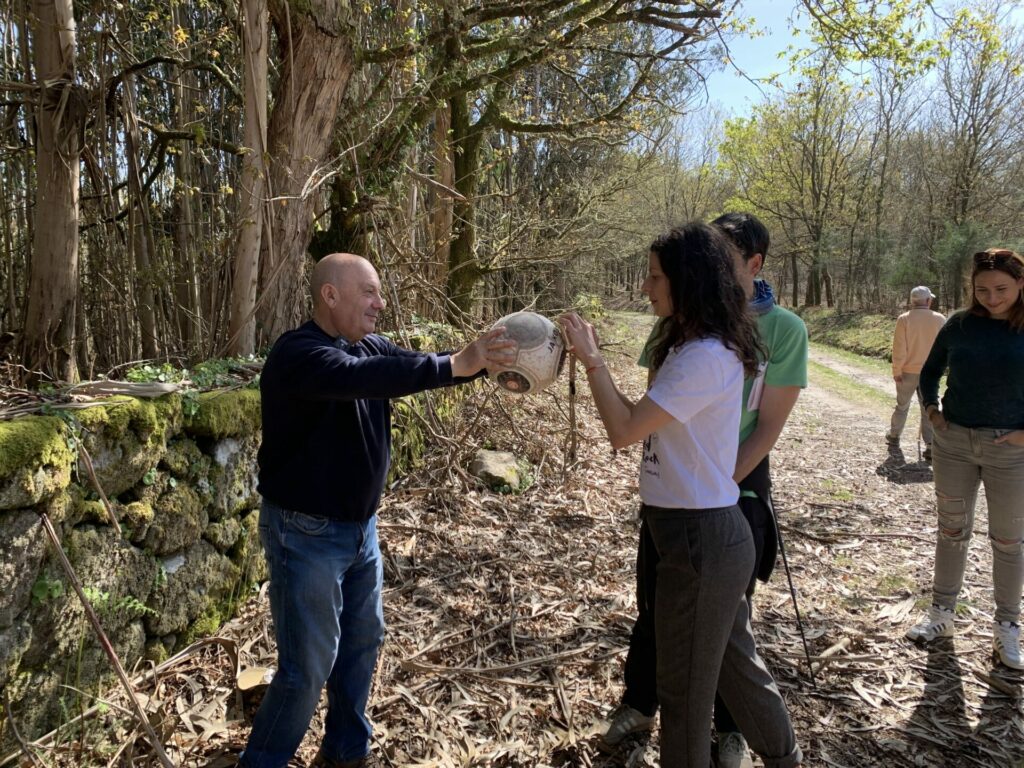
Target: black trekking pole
(792, 589)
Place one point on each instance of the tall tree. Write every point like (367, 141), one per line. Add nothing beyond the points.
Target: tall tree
(317, 54)
(253, 183)
(48, 345)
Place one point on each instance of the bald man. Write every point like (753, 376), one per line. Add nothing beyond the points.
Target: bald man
(326, 448)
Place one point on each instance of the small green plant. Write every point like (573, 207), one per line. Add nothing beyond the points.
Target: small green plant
(190, 403)
(589, 305)
(843, 561)
(162, 372)
(101, 602)
(46, 589)
(97, 598)
(894, 584)
(150, 477)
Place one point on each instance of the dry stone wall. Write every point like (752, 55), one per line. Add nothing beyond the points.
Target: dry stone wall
(181, 476)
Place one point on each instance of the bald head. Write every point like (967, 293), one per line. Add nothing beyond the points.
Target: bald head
(336, 269)
(346, 295)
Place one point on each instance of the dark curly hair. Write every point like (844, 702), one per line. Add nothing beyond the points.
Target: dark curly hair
(707, 299)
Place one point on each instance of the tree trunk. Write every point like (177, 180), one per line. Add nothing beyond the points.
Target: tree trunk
(188, 308)
(317, 62)
(252, 186)
(48, 345)
(463, 269)
(795, 266)
(441, 216)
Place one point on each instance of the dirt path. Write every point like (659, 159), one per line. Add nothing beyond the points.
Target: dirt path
(863, 372)
(859, 523)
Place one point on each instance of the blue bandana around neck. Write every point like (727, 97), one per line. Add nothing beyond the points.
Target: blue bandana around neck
(763, 299)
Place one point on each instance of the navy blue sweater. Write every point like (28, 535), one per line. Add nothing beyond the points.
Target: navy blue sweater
(327, 418)
(985, 385)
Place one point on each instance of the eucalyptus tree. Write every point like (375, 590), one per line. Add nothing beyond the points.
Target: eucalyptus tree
(478, 65)
(49, 338)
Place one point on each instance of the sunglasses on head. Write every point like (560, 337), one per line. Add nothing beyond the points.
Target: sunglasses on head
(996, 258)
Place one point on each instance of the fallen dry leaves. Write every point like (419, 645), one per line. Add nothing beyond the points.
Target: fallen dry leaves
(508, 615)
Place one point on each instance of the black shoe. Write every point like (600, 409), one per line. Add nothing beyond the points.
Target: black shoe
(927, 455)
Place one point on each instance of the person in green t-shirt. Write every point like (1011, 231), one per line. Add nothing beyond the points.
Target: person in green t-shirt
(768, 399)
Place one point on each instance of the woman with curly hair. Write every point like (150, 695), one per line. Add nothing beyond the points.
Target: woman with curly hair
(689, 424)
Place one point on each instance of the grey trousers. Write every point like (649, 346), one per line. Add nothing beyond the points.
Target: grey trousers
(704, 640)
(904, 395)
(961, 459)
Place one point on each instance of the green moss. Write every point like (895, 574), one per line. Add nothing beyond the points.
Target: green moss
(156, 652)
(184, 459)
(92, 512)
(206, 625)
(226, 414)
(409, 437)
(33, 440)
(137, 515)
(112, 416)
(145, 417)
(178, 521)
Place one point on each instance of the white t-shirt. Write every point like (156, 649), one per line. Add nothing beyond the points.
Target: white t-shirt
(689, 462)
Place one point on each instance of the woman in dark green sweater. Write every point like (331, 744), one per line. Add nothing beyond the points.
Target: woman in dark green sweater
(979, 438)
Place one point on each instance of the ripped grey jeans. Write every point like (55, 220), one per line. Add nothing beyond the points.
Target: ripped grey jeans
(961, 459)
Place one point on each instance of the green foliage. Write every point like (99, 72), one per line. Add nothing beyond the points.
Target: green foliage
(161, 372)
(208, 374)
(46, 589)
(589, 305)
(103, 605)
(855, 31)
(858, 332)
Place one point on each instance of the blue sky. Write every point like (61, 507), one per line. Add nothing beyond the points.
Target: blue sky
(757, 57)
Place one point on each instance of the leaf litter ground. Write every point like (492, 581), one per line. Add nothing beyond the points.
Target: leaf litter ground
(509, 615)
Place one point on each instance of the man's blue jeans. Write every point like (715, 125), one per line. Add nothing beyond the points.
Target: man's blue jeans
(325, 599)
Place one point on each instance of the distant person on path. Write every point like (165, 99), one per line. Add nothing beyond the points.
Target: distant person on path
(912, 340)
(325, 453)
(979, 438)
(768, 399)
(689, 422)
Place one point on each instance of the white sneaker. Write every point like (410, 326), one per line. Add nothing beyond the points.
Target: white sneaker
(733, 751)
(624, 721)
(1006, 644)
(938, 623)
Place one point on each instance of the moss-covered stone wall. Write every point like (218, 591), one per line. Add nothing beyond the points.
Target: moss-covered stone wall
(183, 488)
(180, 473)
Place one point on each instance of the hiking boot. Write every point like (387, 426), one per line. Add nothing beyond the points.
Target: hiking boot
(733, 751)
(938, 623)
(1006, 644)
(891, 440)
(927, 455)
(366, 761)
(624, 721)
